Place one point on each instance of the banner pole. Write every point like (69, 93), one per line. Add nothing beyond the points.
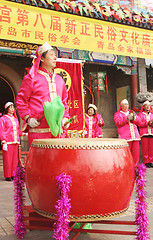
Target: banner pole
(82, 88)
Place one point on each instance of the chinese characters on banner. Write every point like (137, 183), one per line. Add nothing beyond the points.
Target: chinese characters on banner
(71, 74)
(35, 25)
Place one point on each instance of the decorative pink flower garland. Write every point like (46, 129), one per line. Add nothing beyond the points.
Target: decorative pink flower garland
(19, 199)
(63, 207)
(141, 218)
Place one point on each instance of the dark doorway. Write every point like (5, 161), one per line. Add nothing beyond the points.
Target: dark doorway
(149, 72)
(6, 93)
(88, 97)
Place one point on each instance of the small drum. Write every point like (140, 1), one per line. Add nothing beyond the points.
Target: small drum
(102, 172)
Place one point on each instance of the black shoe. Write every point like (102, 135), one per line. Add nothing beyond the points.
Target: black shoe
(148, 165)
(8, 179)
(151, 165)
(12, 178)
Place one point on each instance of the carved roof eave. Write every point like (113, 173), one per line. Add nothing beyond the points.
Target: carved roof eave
(122, 14)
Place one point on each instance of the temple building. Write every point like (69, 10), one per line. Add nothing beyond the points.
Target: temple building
(111, 38)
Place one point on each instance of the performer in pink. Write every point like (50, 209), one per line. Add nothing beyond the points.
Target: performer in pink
(39, 86)
(9, 135)
(126, 122)
(93, 122)
(100, 124)
(146, 133)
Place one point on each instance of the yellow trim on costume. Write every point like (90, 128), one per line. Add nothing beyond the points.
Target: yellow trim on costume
(132, 130)
(75, 133)
(148, 119)
(126, 113)
(131, 126)
(14, 127)
(39, 130)
(51, 84)
(90, 126)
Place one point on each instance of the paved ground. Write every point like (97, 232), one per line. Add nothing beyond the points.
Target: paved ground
(7, 215)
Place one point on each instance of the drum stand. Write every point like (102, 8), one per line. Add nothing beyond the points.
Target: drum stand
(34, 221)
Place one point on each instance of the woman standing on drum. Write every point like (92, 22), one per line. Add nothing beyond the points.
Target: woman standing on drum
(93, 122)
(146, 133)
(9, 135)
(126, 121)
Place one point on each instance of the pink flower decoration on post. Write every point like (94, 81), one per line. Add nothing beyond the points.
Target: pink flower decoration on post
(19, 199)
(141, 219)
(63, 207)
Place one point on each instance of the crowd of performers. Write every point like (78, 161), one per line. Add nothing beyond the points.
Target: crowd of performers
(41, 85)
(128, 123)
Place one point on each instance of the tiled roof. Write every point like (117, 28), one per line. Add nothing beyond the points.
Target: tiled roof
(120, 13)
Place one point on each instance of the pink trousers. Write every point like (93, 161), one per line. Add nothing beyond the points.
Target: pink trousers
(134, 147)
(147, 149)
(10, 160)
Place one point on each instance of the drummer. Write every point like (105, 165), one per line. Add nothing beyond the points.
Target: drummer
(39, 86)
(126, 121)
(93, 122)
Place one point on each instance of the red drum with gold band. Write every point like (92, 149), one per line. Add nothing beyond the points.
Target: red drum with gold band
(102, 172)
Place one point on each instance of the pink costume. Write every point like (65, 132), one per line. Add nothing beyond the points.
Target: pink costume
(91, 125)
(129, 131)
(146, 134)
(100, 124)
(10, 132)
(34, 91)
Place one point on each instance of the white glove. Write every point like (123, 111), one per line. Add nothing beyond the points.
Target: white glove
(64, 120)
(5, 146)
(33, 123)
(24, 134)
(130, 117)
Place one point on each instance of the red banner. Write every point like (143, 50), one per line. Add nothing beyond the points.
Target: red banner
(71, 74)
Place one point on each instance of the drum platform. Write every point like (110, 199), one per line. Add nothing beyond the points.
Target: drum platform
(34, 221)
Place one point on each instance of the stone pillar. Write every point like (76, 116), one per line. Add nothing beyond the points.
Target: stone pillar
(142, 75)
(134, 82)
(134, 88)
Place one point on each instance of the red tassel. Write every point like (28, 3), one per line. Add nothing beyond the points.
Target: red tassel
(26, 71)
(136, 109)
(106, 84)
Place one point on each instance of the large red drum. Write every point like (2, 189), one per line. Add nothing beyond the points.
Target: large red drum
(102, 172)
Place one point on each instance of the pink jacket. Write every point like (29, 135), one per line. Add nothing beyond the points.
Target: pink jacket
(9, 129)
(144, 128)
(126, 130)
(92, 127)
(99, 117)
(34, 92)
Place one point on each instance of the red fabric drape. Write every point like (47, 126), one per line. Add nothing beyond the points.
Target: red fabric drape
(75, 100)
